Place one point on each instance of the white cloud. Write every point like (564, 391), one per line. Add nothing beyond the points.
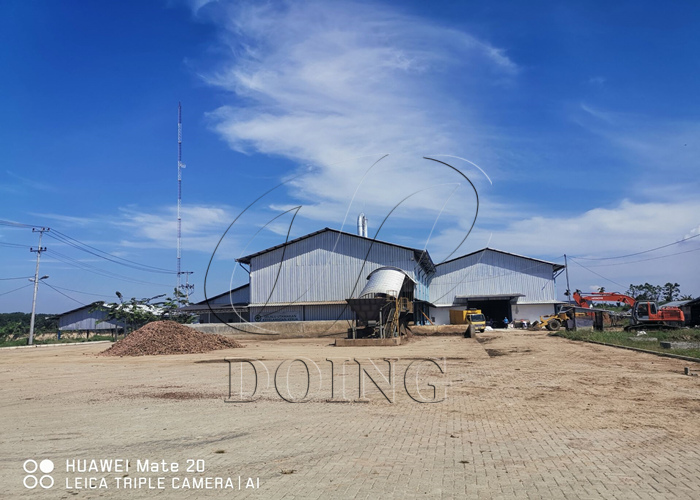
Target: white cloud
(71, 220)
(624, 229)
(202, 227)
(693, 232)
(325, 82)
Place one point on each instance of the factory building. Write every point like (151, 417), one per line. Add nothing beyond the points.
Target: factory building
(500, 284)
(310, 278)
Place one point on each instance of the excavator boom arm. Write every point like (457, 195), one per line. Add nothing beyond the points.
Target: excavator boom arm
(583, 300)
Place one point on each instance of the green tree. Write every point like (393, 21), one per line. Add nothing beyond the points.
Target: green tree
(16, 324)
(135, 313)
(647, 291)
(671, 291)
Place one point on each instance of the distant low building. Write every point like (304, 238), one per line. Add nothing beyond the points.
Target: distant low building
(690, 308)
(228, 307)
(83, 319)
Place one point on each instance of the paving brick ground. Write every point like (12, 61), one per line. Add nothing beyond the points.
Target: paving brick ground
(526, 416)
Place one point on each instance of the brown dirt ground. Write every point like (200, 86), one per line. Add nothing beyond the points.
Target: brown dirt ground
(527, 416)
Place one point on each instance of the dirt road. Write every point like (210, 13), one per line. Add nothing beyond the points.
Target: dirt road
(525, 416)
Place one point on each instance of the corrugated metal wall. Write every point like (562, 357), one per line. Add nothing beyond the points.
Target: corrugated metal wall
(307, 312)
(328, 312)
(83, 319)
(492, 273)
(325, 267)
(238, 296)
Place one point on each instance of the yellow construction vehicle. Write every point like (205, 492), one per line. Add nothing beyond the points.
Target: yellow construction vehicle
(468, 317)
(552, 322)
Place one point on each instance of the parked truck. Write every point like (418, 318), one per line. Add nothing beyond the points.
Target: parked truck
(469, 317)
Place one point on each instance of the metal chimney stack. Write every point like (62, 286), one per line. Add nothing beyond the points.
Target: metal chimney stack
(362, 225)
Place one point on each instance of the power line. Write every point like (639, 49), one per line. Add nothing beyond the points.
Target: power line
(13, 245)
(599, 275)
(96, 270)
(639, 253)
(84, 293)
(68, 240)
(20, 288)
(64, 238)
(645, 260)
(14, 224)
(19, 278)
(67, 296)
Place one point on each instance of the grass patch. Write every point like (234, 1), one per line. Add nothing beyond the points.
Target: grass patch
(622, 338)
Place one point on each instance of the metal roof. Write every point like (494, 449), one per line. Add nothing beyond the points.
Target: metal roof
(675, 303)
(308, 303)
(422, 256)
(193, 308)
(79, 308)
(209, 299)
(502, 296)
(556, 267)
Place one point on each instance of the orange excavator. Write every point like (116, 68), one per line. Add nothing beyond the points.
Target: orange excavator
(644, 313)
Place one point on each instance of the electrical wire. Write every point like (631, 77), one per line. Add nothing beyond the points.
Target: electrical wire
(640, 253)
(646, 260)
(68, 240)
(58, 291)
(96, 270)
(20, 278)
(13, 245)
(599, 275)
(64, 238)
(20, 288)
(84, 293)
(14, 224)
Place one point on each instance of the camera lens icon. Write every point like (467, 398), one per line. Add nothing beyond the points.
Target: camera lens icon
(31, 481)
(46, 466)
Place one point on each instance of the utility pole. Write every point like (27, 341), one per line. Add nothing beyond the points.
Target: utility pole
(38, 251)
(187, 287)
(568, 288)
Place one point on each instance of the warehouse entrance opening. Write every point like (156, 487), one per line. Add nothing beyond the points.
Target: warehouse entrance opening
(494, 310)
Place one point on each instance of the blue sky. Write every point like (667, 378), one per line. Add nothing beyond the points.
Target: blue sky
(582, 115)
